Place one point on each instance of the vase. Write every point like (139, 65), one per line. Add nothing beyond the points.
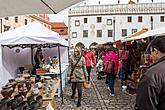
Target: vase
(13, 83)
(7, 91)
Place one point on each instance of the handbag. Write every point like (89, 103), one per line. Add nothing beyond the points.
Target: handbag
(87, 84)
(74, 68)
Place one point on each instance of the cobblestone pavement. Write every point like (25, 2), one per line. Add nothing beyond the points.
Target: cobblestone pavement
(97, 98)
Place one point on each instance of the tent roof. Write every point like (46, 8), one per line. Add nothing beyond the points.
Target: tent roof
(154, 32)
(32, 33)
(22, 7)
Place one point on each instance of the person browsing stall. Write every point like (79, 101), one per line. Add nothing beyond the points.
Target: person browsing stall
(78, 73)
(151, 88)
(38, 58)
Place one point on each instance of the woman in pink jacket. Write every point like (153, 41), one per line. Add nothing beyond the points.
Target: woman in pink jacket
(110, 79)
(90, 61)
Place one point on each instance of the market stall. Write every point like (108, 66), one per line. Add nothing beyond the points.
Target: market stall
(154, 32)
(17, 49)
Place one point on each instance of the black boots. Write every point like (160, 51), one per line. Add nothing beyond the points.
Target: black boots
(78, 104)
(72, 97)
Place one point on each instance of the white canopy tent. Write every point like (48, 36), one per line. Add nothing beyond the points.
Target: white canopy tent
(22, 7)
(26, 39)
(159, 31)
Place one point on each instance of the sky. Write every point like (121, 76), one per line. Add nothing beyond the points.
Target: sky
(63, 15)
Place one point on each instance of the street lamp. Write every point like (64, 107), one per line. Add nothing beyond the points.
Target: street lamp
(1, 24)
(151, 22)
(114, 29)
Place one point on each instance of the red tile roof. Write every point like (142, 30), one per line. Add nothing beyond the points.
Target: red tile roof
(60, 28)
(131, 2)
(57, 25)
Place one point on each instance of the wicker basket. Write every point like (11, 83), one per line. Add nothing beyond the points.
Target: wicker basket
(41, 71)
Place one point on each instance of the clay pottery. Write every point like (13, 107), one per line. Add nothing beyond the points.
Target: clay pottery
(19, 75)
(18, 98)
(26, 76)
(32, 79)
(7, 91)
(20, 79)
(13, 83)
(3, 103)
(12, 104)
(23, 91)
(22, 106)
(39, 100)
(34, 105)
(28, 85)
(30, 99)
(20, 85)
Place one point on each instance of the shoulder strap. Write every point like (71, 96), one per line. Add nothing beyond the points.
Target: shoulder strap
(88, 57)
(75, 64)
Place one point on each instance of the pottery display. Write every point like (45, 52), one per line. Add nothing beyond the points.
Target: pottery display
(18, 98)
(34, 105)
(3, 105)
(30, 99)
(26, 76)
(13, 83)
(39, 100)
(28, 85)
(7, 91)
(23, 91)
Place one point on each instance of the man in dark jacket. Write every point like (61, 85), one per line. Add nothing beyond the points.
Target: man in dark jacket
(151, 88)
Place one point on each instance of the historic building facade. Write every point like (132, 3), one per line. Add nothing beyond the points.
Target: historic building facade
(104, 23)
(8, 23)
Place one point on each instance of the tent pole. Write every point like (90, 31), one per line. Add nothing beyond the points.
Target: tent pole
(68, 55)
(31, 55)
(59, 56)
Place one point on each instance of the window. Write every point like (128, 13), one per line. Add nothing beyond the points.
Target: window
(26, 21)
(124, 32)
(134, 30)
(140, 19)
(110, 33)
(6, 28)
(61, 30)
(16, 19)
(6, 18)
(85, 33)
(99, 33)
(161, 18)
(145, 29)
(85, 20)
(109, 21)
(99, 19)
(74, 34)
(77, 22)
(129, 19)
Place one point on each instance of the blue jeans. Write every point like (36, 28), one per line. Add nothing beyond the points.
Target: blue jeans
(111, 82)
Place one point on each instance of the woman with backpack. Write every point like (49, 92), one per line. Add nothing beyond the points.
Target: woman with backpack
(111, 67)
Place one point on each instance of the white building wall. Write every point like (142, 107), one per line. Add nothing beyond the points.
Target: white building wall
(120, 14)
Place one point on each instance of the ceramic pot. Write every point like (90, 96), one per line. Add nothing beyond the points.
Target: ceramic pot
(30, 99)
(26, 76)
(3, 105)
(13, 83)
(7, 91)
(40, 101)
(18, 98)
(20, 85)
(34, 105)
(28, 85)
